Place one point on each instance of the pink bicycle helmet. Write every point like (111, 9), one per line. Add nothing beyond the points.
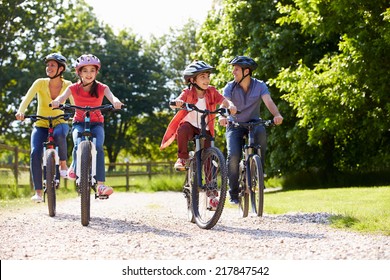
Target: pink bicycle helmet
(87, 59)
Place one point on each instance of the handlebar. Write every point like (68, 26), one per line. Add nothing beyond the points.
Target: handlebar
(254, 123)
(105, 107)
(34, 118)
(192, 107)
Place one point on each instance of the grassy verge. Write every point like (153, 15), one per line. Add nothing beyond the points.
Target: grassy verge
(363, 209)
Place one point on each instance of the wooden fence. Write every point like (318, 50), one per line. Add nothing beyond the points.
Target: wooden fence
(126, 169)
(14, 164)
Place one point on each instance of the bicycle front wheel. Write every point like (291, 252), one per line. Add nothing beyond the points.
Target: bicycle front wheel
(85, 181)
(189, 182)
(243, 195)
(208, 199)
(256, 185)
(51, 182)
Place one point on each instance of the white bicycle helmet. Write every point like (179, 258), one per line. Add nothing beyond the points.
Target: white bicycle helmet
(87, 59)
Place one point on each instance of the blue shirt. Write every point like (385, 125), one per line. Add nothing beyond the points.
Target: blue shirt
(247, 103)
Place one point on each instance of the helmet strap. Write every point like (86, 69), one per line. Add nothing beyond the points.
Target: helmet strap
(243, 76)
(196, 85)
(57, 74)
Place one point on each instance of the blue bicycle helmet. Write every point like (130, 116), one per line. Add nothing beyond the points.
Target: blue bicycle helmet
(244, 62)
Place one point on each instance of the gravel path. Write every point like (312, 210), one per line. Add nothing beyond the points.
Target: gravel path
(154, 227)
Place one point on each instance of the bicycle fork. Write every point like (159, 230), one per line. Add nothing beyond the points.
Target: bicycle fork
(93, 163)
(46, 152)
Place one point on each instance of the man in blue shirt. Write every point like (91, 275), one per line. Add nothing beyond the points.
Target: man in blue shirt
(247, 94)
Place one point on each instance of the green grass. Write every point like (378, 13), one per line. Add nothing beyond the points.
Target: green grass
(363, 209)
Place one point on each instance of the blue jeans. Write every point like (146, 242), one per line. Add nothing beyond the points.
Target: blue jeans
(97, 131)
(38, 137)
(235, 142)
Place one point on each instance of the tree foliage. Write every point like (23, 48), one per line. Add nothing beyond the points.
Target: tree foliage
(342, 100)
(134, 73)
(326, 63)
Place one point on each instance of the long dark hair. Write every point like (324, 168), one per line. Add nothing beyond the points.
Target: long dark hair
(94, 89)
(94, 86)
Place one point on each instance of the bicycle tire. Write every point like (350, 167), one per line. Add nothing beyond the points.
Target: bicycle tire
(189, 182)
(256, 185)
(85, 181)
(243, 195)
(51, 182)
(214, 170)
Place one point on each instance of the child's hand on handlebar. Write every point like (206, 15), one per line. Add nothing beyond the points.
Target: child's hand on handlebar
(179, 103)
(117, 105)
(55, 104)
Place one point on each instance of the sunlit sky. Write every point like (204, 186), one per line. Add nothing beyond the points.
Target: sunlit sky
(146, 17)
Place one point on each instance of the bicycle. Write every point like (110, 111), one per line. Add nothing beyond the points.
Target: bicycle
(50, 162)
(251, 174)
(206, 175)
(86, 160)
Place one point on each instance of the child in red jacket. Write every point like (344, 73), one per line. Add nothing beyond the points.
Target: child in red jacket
(185, 125)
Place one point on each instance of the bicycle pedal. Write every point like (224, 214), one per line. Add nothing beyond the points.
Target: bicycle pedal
(103, 196)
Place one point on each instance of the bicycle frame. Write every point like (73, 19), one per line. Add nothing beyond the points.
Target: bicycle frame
(47, 147)
(251, 158)
(86, 160)
(199, 146)
(84, 136)
(50, 144)
(50, 151)
(201, 193)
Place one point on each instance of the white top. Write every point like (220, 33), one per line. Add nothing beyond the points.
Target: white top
(193, 117)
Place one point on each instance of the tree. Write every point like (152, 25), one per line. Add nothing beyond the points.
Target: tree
(342, 100)
(326, 63)
(21, 62)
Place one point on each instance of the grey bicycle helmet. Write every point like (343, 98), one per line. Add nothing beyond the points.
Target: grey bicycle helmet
(196, 68)
(61, 61)
(244, 62)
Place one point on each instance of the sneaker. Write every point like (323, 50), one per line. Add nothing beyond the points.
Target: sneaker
(234, 201)
(71, 174)
(64, 173)
(105, 190)
(180, 164)
(37, 198)
(214, 203)
(212, 194)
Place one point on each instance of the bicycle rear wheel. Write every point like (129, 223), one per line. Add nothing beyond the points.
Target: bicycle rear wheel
(256, 185)
(85, 181)
(208, 199)
(243, 195)
(51, 182)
